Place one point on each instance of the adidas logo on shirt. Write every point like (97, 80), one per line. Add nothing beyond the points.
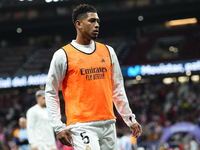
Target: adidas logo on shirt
(102, 60)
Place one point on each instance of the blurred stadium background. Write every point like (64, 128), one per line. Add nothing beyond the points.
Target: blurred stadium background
(158, 46)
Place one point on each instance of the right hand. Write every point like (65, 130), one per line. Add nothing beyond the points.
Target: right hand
(65, 138)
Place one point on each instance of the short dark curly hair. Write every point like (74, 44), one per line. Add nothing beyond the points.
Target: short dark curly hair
(81, 11)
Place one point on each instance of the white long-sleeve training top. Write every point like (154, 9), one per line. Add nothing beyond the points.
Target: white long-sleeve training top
(40, 132)
(56, 74)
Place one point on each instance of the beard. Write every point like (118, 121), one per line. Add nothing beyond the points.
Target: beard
(94, 37)
(91, 36)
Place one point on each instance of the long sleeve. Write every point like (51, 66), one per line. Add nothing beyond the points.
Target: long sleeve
(55, 77)
(18, 142)
(119, 95)
(38, 128)
(30, 128)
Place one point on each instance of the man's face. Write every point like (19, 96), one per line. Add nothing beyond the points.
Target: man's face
(90, 26)
(22, 123)
(41, 101)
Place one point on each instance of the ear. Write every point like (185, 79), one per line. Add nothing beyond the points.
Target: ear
(78, 24)
(37, 100)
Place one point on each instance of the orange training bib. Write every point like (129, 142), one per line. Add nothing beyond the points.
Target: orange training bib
(87, 87)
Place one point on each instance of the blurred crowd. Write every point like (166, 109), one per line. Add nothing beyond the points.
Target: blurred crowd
(156, 106)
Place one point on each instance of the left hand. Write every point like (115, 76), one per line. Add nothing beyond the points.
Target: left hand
(136, 130)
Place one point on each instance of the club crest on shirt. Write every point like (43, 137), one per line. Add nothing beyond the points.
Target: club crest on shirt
(88, 148)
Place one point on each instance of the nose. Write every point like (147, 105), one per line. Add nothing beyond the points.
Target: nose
(96, 24)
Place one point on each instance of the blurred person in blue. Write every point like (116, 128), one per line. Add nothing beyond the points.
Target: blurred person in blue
(40, 132)
(20, 135)
(127, 142)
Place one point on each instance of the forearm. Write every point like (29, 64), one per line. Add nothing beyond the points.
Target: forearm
(55, 76)
(122, 104)
(31, 138)
(23, 141)
(30, 127)
(119, 95)
(53, 107)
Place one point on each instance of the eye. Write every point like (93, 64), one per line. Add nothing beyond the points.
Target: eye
(92, 20)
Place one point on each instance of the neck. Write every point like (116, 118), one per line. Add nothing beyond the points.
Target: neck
(43, 106)
(83, 41)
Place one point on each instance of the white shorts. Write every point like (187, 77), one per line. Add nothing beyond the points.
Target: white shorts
(94, 137)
